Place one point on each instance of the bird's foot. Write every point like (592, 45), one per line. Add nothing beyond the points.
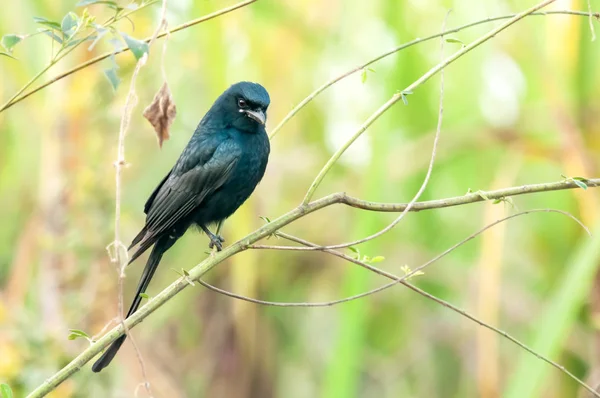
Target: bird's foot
(216, 241)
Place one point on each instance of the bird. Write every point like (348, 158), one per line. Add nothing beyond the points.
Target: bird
(216, 172)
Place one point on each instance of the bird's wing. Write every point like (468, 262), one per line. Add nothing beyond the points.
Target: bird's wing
(187, 186)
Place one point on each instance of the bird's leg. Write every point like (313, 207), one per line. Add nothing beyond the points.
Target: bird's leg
(215, 240)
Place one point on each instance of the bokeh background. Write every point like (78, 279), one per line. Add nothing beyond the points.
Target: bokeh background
(521, 109)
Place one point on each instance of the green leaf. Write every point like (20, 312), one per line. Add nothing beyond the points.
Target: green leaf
(47, 23)
(137, 47)
(580, 183)
(265, 219)
(363, 76)
(377, 259)
(9, 41)
(144, 296)
(452, 40)
(404, 95)
(7, 55)
(53, 35)
(69, 24)
(6, 391)
(113, 78)
(84, 3)
(76, 333)
(482, 195)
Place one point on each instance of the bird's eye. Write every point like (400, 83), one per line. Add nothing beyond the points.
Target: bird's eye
(242, 104)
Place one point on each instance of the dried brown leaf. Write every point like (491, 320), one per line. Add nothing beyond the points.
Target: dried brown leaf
(161, 113)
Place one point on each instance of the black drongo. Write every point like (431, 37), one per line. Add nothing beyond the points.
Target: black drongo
(217, 171)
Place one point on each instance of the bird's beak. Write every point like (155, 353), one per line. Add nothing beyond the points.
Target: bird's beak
(257, 115)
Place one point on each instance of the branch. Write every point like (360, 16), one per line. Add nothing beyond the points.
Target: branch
(14, 100)
(403, 280)
(378, 58)
(408, 90)
(266, 230)
(58, 56)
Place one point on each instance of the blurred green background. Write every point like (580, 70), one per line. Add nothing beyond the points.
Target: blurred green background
(521, 109)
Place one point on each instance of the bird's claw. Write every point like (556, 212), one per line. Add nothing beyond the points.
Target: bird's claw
(216, 241)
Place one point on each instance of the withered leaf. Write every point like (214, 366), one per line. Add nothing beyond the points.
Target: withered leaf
(161, 113)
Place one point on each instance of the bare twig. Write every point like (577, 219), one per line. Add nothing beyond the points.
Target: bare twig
(591, 20)
(409, 90)
(431, 160)
(313, 246)
(56, 58)
(403, 281)
(16, 99)
(404, 46)
(267, 230)
(123, 260)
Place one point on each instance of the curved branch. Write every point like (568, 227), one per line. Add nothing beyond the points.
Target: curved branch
(408, 90)
(403, 281)
(266, 230)
(102, 57)
(378, 58)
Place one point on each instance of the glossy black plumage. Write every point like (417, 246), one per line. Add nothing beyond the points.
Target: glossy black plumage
(216, 172)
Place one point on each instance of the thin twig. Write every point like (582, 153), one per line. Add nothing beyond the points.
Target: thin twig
(591, 20)
(313, 246)
(14, 100)
(409, 90)
(266, 230)
(123, 260)
(55, 59)
(403, 281)
(404, 46)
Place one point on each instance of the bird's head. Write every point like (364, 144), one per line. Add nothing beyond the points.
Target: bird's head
(244, 106)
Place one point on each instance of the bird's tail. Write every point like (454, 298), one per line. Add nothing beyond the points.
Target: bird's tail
(161, 246)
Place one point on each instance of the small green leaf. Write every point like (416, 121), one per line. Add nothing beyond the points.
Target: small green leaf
(363, 76)
(6, 391)
(144, 296)
(137, 47)
(404, 95)
(113, 78)
(482, 195)
(69, 24)
(265, 219)
(377, 259)
(84, 3)
(496, 201)
(580, 183)
(53, 36)
(7, 55)
(186, 276)
(9, 41)
(406, 269)
(47, 23)
(76, 333)
(456, 41)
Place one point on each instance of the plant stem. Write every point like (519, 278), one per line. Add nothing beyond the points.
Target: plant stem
(267, 230)
(14, 100)
(408, 90)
